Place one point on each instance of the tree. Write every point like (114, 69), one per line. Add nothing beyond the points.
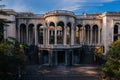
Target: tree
(10, 55)
(112, 67)
(12, 59)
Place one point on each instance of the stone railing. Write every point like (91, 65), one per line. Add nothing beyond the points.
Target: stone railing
(59, 12)
(29, 15)
(59, 46)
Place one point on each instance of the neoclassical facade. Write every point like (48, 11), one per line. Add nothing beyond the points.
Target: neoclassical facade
(63, 37)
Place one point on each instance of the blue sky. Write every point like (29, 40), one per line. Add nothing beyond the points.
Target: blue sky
(77, 6)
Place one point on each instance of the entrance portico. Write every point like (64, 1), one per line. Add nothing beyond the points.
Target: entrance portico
(60, 57)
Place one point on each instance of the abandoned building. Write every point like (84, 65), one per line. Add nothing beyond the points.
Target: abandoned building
(62, 37)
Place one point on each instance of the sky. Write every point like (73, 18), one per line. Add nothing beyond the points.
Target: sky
(77, 6)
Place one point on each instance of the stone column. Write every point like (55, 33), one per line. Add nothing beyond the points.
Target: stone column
(82, 38)
(80, 34)
(40, 57)
(72, 58)
(91, 37)
(48, 36)
(36, 35)
(18, 34)
(98, 37)
(88, 37)
(83, 35)
(85, 38)
(50, 58)
(55, 34)
(64, 39)
(95, 36)
(72, 34)
(44, 36)
(66, 58)
(56, 59)
(27, 38)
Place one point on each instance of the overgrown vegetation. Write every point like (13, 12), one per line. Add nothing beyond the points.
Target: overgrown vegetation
(111, 68)
(12, 55)
(12, 59)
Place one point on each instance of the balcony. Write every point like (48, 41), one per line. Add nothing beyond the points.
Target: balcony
(60, 46)
(59, 12)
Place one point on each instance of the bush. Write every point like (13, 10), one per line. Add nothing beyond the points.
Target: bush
(112, 67)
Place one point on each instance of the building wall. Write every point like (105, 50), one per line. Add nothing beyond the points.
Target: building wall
(105, 22)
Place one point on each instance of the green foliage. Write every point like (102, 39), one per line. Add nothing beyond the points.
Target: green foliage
(112, 66)
(5, 48)
(10, 58)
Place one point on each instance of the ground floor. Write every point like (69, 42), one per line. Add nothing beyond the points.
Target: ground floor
(65, 57)
(81, 72)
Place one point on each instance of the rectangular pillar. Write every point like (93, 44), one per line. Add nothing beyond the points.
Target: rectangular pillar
(99, 37)
(55, 36)
(91, 37)
(18, 34)
(50, 58)
(72, 58)
(48, 37)
(36, 36)
(66, 58)
(64, 40)
(27, 38)
(72, 35)
(56, 58)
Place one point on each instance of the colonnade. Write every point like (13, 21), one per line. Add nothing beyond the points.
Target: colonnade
(60, 33)
(88, 35)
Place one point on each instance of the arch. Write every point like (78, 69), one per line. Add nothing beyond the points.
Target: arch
(95, 34)
(68, 32)
(87, 34)
(69, 24)
(60, 23)
(51, 24)
(78, 33)
(115, 32)
(40, 33)
(31, 37)
(60, 32)
(51, 32)
(23, 36)
(87, 27)
(1, 31)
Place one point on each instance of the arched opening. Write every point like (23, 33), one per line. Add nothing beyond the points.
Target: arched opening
(45, 57)
(68, 33)
(78, 33)
(60, 32)
(31, 34)
(40, 33)
(23, 35)
(87, 34)
(95, 34)
(1, 32)
(51, 33)
(115, 32)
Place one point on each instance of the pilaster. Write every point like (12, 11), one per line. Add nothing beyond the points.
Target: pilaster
(72, 35)
(27, 38)
(36, 35)
(55, 34)
(64, 40)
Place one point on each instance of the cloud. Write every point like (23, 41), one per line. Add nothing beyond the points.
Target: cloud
(79, 4)
(71, 5)
(17, 5)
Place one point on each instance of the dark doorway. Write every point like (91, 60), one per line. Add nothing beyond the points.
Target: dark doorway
(45, 57)
(61, 57)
